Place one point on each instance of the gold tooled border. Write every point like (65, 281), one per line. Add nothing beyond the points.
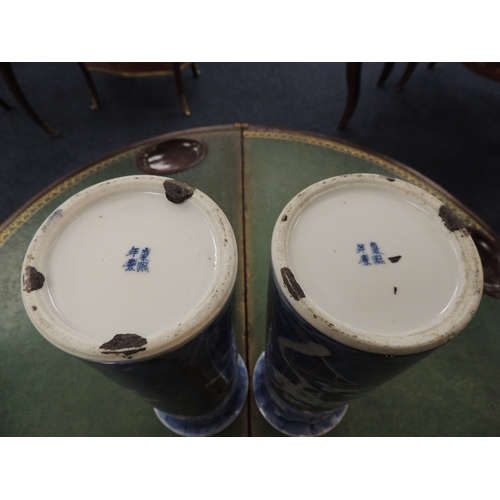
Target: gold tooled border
(372, 158)
(60, 188)
(401, 172)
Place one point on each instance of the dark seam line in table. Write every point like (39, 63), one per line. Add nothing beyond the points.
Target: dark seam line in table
(245, 281)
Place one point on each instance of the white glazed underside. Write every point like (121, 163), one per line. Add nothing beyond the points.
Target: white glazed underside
(337, 239)
(120, 258)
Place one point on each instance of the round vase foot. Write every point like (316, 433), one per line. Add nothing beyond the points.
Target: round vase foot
(292, 423)
(208, 425)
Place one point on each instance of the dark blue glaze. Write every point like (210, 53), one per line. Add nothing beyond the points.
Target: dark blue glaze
(309, 375)
(193, 381)
(220, 418)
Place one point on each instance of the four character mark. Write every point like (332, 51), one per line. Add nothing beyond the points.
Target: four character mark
(376, 254)
(137, 262)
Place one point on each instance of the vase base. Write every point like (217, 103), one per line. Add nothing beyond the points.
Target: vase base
(208, 425)
(315, 425)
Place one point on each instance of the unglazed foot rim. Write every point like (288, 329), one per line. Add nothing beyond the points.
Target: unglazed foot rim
(289, 427)
(215, 422)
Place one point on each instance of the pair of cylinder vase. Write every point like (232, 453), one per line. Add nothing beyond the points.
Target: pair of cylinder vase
(135, 276)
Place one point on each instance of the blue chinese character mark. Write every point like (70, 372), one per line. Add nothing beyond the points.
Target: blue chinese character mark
(376, 254)
(133, 252)
(140, 265)
(143, 267)
(365, 260)
(130, 264)
(375, 248)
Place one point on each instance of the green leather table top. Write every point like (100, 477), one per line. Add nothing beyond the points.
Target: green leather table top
(251, 173)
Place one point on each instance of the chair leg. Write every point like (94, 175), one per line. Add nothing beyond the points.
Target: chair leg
(385, 73)
(196, 71)
(410, 67)
(353, 73)
(4, 104)
(180, 88)
(90, 82)
(13, 85)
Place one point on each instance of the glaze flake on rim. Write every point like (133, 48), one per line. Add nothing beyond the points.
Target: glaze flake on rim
(453, 321)
(49, 323)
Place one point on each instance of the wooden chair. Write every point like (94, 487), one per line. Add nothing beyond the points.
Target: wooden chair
(353, 74)
(150, 69)
(4, 104)
(10, 79)
(489, 70)
(410, 67)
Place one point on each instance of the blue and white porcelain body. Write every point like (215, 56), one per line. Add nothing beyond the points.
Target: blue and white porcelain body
(370, 260)
(197, 389)
(135, 276)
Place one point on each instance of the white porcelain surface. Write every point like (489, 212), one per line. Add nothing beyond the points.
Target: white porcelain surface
(120, 258)
(98, 281)
(337, 239)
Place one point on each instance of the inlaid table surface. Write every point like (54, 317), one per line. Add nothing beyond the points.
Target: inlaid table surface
(251, 173)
